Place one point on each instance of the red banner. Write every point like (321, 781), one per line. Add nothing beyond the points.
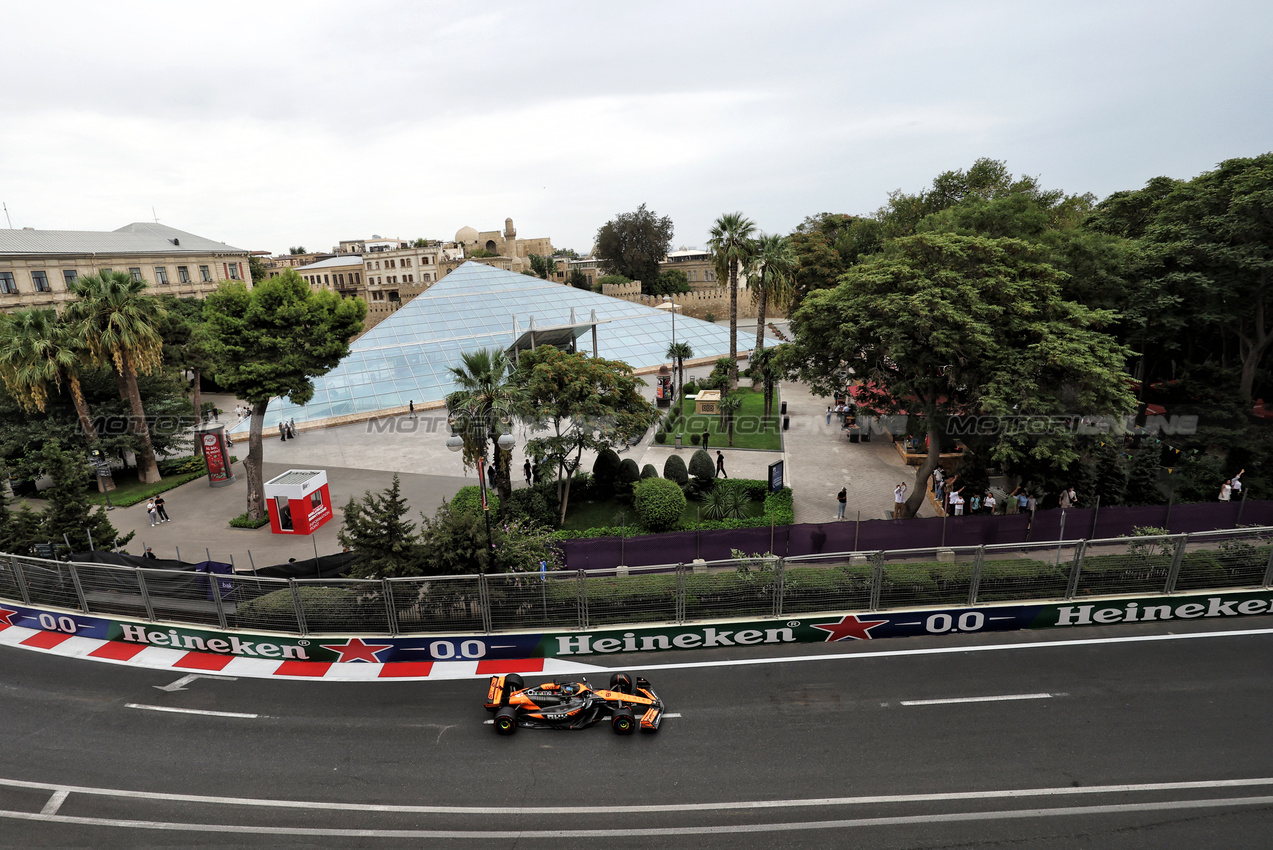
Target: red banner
(214, 454)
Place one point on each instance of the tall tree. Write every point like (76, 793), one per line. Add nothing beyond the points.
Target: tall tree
(120, 325)
(36, 350)
(384, 542)
(633, 244)
(543, 267)
(769, 277)
(584, 403)
(183, 332)
(942, 326)
(482, 410)
(731, 247)
(680, 352)
(272, 341)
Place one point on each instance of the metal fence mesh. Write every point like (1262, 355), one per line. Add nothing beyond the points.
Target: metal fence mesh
(443, 604)
(753, 587)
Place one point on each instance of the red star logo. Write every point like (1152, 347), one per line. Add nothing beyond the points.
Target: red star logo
(850, 627)
(357, 650)
(5, 614)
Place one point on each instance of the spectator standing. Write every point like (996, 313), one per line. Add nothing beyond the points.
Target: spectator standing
(148, 553)
(526, 469)
(974, 504)
(159, 507)
(720, 465)
(843, 499)
(899, 500)
(828, 414)
(988, 504)
(1064, 499)
(957, 502)
(1235, 485)
(1225, 490)
(1030, 504)
(153, 513)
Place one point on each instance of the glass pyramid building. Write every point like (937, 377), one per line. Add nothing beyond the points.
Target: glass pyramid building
(408, 356)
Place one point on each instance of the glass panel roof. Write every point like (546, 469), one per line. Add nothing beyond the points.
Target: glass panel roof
(407, 356)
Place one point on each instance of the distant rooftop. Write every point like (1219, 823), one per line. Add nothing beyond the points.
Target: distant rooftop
(140, 237)
(342, 260)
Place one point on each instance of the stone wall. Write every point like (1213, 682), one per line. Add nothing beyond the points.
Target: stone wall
(695, 304)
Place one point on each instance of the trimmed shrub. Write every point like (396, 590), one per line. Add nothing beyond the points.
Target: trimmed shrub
(674, 470)
(469, 500)
(690, 388)
(605, 472)
(648, 471)
(660, 437)
(659, 503)
(242, 521)
(702, 468)
(327, 609)
(629, 474)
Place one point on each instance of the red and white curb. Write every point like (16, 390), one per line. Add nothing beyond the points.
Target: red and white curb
(162, 658)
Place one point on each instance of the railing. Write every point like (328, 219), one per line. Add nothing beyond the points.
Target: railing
(756, 587)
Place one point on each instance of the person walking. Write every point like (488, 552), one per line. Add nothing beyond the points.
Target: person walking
(720, 465)
(159, 508)
(291, 428)
(153, 513)
(899, 500)
(282, 431)
(526, 469)
(828, 414)
(843, 499)
(411, 408)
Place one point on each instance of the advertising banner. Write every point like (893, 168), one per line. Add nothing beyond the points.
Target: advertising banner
(214, 453)
(597, 643)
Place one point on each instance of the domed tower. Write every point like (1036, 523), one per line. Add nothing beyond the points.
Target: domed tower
(466, 236)
(510, 232)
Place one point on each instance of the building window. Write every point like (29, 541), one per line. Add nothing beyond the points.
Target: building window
(406, 263)
(161, 275)
(340, 280)
(183, 274)
(69, 276)
(203, 274)
(427, 277)
(41, 281)
(233, 270)
(357, 277)
(326, 279)
(7, 286)
(136, 273)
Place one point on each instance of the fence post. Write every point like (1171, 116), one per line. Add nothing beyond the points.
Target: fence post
(21, 580)
(484, 602)
(681, 570)
(1268, 570)
(581, 597)
(1095, 514)
(391, 613)
(780, 583)
(1075, 568)
(974, 584)
(1177, 558)
(877, 579)
(1241, 507)
(216, 598)
(297, 607)
(145, 594)
(79, 588)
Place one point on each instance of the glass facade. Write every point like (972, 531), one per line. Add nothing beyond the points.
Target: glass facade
(408, 355)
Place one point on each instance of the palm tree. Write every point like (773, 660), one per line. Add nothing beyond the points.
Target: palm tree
(729, 405)
(765, 370)
(119, 325)
(769, 276)
(482, 407)
(731, 244)
(680, 352)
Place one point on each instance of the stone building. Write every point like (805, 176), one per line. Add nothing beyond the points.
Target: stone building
(36, 266)
(696, 264)
(504, 244)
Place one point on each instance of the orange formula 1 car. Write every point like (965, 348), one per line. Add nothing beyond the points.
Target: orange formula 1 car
(574, 705)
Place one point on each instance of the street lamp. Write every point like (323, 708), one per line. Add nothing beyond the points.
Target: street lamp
(474, 424)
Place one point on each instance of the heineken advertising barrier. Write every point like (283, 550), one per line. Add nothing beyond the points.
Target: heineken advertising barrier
(597, 643)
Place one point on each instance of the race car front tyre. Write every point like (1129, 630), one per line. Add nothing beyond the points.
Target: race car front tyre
(623, 722)
(506, 721)
(622, 682)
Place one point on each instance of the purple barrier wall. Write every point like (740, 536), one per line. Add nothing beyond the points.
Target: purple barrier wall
(597, 553)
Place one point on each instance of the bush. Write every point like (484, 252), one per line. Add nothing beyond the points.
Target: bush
(727, 503)
(674, 470)
(648, 471)
(605, 472)
(702, 468)
(629, 475)
(660, 437)
(327, 609)
(690, 388)
(659, 503)
(536, 504)
(469, 500)
(242, 521)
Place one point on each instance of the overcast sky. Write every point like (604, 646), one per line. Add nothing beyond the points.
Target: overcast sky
(269, 124)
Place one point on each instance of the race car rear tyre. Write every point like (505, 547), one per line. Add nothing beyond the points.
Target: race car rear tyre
(513, 682)
(622, 682)
(623, 722)
(506, 721)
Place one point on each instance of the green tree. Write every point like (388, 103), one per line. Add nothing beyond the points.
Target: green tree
(256, 269)
(680, 352)
(272, 341)
(120, 327)
(384, 542)
(184, 334)
(766, 367)
(68, 511)
(942, 325)
(769, 276)
(729, 406)
(578, 280)
(633, 244)
(482, 411)
(671, 282)
(1143, 487)
(297, 249)
(543, 267)
(583, 403)
(731, 248)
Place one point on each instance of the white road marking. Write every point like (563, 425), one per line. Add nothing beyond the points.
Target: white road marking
(1008, 794)
(55, 802)
(180, 684)
(950, 700)
(191, 711)
(904, 820)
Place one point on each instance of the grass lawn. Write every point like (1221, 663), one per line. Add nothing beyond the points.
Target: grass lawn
(602, 513)
(751, 429)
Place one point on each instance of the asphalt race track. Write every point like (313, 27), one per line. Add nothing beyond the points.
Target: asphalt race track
(1028, 739)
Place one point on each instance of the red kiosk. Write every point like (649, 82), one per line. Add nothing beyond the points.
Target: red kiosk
(298, 501)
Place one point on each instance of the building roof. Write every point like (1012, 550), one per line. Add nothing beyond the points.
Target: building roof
(408, 356)
(140, 237)
(342, 260)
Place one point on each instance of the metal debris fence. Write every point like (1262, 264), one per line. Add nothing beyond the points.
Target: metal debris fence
(751, 587)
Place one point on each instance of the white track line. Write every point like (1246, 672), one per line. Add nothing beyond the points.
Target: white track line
(55, 802)
(952, 700)
(191, 711)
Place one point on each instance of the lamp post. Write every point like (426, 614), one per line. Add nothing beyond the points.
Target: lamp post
(476, 427)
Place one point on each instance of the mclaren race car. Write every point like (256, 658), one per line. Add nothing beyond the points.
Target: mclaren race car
(574, 705)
